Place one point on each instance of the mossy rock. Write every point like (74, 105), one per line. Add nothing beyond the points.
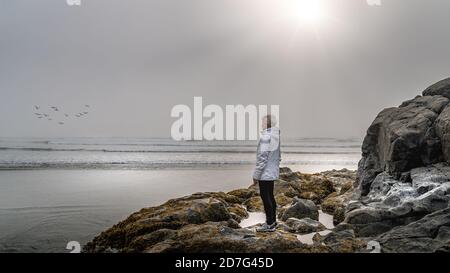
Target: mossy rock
(283, 200)
(254, 204)
(334, 205)
(174, 214)
(315, 188)
(346, 187)
(243, 194)
(238, 212)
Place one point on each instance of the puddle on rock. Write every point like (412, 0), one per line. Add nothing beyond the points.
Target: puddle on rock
(253, 218)
(326, 220)
(308, 238)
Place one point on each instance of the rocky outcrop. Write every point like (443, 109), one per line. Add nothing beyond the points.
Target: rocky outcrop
(430, 234)
(415, 134)
(404, 177)
(392, 203)
(209, 222)
(342, 241)
(401, 139)
(195, 209)
(441, 88)
(214, 237)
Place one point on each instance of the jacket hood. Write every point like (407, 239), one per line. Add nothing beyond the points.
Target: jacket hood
(273, 132)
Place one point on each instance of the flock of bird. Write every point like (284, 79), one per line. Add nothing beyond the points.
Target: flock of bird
(55, 113)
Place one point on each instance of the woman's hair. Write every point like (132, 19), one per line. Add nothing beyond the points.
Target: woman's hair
(270, 120)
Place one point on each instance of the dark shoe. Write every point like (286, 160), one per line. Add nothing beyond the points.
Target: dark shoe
(267, 228)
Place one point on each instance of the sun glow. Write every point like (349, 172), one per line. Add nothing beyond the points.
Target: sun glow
(310, 12)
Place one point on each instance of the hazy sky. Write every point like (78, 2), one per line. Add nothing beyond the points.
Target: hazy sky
(133, 60)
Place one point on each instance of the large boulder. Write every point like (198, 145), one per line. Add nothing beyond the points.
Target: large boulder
(402, 138)
(300, 208)
(441, 88)
(335, 205)
(442, 128)
(342, 241)
(429, 234)
(304, 226)
(337, 202)
(415, 134)
(392, 203)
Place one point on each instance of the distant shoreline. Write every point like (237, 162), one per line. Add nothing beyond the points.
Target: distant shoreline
(127, 167)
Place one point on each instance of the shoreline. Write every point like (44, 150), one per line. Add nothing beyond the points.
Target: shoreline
(213, 166)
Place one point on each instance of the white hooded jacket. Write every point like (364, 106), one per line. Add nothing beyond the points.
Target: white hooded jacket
(268, 156)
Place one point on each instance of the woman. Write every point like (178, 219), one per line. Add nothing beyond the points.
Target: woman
(268, 170)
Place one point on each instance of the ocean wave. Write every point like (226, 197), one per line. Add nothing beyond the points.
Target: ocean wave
(158, 142)
(155, 165)
(47, 208)
(33, 149)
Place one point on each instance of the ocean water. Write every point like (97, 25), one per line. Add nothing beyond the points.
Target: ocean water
(53, 191)
(120, 153)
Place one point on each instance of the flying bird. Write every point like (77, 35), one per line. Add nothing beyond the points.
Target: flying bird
(61, 123)
(36, 107)
(66, 115)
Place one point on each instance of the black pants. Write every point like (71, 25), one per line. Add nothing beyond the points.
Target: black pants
(270, 205)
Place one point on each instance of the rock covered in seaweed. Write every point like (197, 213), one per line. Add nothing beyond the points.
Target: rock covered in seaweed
(304, 226)
(300, 209)
(209, 222)
(194, 209)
